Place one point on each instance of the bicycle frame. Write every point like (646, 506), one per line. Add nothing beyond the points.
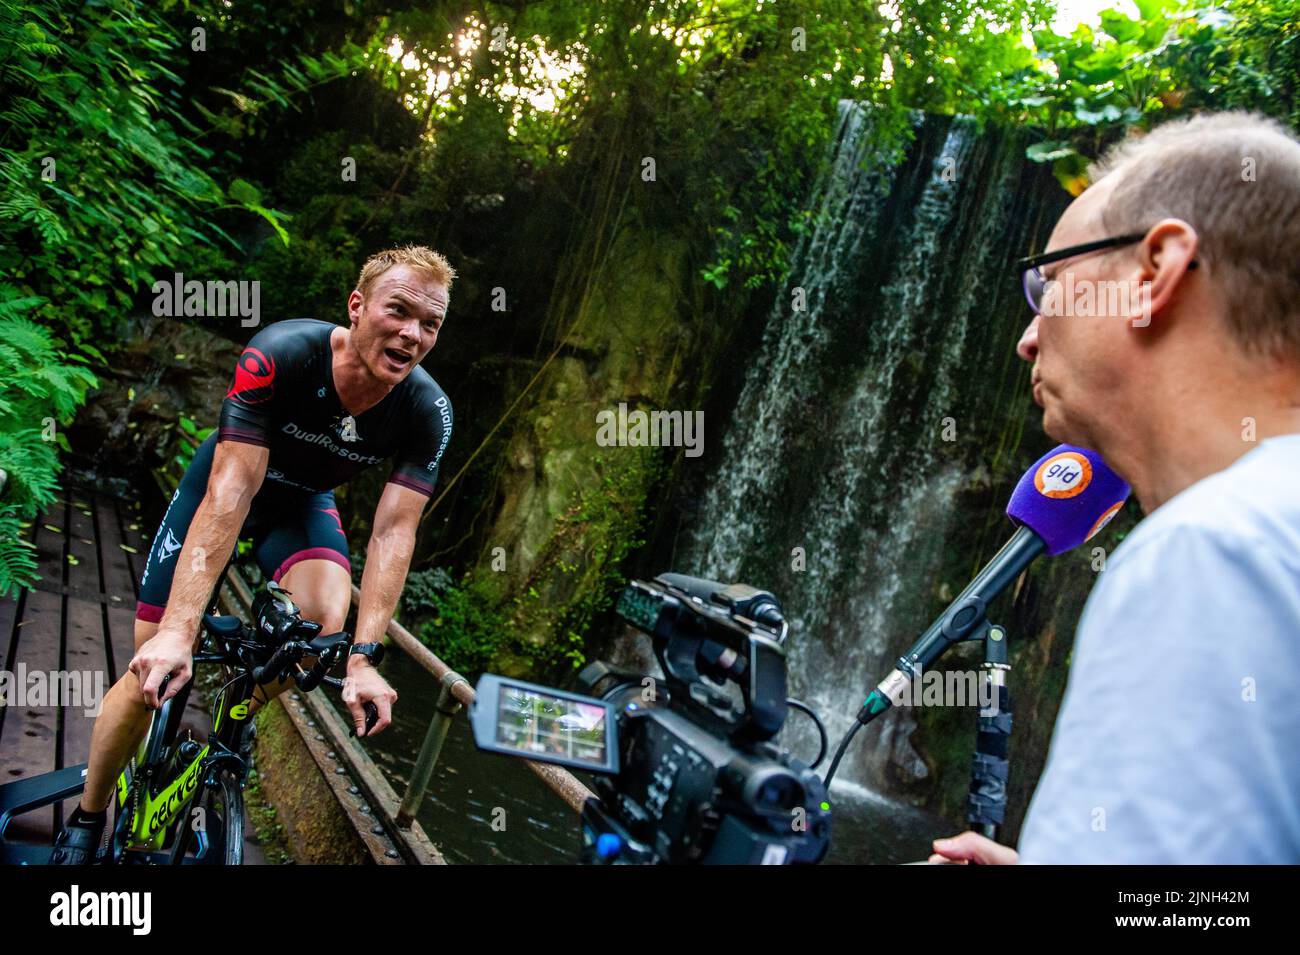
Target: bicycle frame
(161, 804)
(154, 793)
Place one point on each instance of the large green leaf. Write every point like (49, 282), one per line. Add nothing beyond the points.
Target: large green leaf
(245, 193)
(1119, 26)
(1149, 10)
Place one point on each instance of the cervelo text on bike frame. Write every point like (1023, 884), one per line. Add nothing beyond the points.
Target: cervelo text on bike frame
(157, 813)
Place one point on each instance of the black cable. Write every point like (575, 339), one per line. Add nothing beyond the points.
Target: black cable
(821, 727)
(839, 753)
(220, 695)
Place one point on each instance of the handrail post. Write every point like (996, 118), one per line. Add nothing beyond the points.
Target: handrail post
(447, 708)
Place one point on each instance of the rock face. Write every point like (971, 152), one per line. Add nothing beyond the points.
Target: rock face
(570, 503)
(165, 368)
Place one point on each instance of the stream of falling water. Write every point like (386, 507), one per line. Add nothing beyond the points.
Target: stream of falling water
(862, 427)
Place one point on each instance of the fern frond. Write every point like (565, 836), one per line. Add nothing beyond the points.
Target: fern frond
(31, 465)
(27, 338)
(17, 556)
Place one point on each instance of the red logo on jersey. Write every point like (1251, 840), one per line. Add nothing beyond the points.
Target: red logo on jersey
(254, 378)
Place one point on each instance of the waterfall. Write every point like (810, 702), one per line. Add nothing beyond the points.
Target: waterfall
(864, 412)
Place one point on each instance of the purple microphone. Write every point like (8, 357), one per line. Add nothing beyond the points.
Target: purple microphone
(1067, 497)
(1063, 500)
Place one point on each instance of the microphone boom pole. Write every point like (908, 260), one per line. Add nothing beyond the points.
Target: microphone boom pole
(1063, 500)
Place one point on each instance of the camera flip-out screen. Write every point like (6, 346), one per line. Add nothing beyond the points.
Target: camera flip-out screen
(523, 719)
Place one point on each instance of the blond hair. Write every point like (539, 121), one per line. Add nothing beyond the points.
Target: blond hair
(421, 258)
(1235, 178)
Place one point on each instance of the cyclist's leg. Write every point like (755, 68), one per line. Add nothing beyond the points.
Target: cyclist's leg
(124, 719)
(306, 553)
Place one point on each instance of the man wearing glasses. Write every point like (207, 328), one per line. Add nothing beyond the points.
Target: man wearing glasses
(1178, 740)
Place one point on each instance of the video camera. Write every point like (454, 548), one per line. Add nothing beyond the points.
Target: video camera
(685, 772)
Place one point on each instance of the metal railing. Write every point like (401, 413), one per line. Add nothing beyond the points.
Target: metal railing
(454, 694)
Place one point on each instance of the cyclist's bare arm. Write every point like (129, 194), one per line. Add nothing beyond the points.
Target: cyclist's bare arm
(237, 472)
(388, 557)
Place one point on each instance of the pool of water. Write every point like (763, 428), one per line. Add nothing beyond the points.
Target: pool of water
(470, 790)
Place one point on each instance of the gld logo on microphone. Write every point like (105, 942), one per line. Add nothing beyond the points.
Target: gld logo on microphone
(1063, 475)
(77, 908)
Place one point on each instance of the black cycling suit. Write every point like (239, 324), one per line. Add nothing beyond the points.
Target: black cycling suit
(283, 398)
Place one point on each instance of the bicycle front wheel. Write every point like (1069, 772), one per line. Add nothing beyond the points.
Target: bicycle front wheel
(212, 831)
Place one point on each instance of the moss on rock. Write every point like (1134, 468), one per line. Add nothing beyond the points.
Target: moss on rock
(315, 828)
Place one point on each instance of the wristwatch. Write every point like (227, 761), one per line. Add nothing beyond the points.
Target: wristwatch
(372, 651)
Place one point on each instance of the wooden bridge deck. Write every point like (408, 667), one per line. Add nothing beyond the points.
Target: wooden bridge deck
(78, 621)
(79, 618)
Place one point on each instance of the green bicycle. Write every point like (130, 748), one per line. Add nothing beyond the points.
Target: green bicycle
(180, 801)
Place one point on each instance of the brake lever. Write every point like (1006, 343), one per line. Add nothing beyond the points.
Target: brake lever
(162, 690)
(372, 716)
(371, 711)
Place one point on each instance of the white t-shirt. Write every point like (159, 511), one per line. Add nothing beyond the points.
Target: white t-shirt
(1178, 739)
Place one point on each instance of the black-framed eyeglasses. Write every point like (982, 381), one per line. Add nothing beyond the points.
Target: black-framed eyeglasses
(1031, 279)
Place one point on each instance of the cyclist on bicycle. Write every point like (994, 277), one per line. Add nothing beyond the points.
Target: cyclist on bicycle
(311, 406)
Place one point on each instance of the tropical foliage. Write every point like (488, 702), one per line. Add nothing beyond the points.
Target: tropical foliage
(282, 140)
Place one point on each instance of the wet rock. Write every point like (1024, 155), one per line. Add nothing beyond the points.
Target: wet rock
(166, 367)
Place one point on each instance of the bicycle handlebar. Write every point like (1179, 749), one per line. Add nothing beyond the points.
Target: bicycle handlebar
(280, 661)
(289, 624)
(312, 678)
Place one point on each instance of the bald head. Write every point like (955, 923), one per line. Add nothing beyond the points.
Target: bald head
(1235, 177)
(1175, 346)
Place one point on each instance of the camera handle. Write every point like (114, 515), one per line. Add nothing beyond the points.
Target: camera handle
(986, 804)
